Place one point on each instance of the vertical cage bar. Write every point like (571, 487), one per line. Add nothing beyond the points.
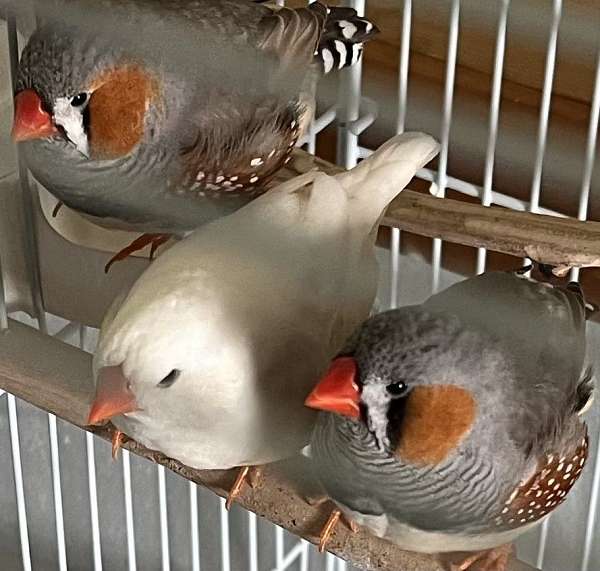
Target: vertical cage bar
(3, 309)
(592, 513)
(131, 557)
(164, 523)
(31, 253)
(33, 270)
(590, 155)
(83, 335)
(304, 556)
(194, 526)
(436, 256)
(394, 266)
(486, 198)
(91, 473)
(330, 562)
(536, 183)
(584, 198)
(542, 543)
(402, 104)
(93, 491)
(225, 553)
(18, 473)
(350, 88)
(545, 107)
(57, 489)
(279, 547)
(252, 542)
(32, 265)
(404, 63)
(311, 144)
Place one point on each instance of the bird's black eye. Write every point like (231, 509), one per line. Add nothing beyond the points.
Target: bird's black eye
(169, 379)
(397, 389)
(79, 99)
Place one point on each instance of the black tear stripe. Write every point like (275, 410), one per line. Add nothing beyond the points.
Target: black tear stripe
(395, 417)
(85, 118)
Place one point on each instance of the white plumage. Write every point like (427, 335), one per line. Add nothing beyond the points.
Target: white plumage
(250, 309)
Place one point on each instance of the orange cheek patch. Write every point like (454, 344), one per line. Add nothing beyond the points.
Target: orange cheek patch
(436, 419)
(117, 110)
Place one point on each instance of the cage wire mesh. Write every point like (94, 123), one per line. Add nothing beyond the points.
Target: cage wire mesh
(64, 506)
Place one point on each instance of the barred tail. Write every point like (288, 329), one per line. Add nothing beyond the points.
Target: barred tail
(342, 41)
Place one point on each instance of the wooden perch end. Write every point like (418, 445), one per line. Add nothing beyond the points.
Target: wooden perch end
(59, 380)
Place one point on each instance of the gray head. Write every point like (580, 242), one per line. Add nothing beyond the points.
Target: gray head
(78, 92)
(418, 376)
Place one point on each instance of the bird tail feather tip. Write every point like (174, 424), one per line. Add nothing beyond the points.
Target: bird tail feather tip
(378, 179)
(345, 33)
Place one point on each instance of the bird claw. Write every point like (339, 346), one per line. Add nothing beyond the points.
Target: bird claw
(158, 243)
(332, 521)
(246, 474)
(56, 209)
(316, 501)
(118, 438)
(254, 475)
(490, 560)
(154, 240)
(327, 530)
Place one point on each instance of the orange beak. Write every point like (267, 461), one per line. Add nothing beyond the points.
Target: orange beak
(31, 120)
(113, 396)
(337, 391)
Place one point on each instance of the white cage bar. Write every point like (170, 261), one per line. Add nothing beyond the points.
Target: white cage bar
(354, 115)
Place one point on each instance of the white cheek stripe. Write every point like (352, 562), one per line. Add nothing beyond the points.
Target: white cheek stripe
(71, 120)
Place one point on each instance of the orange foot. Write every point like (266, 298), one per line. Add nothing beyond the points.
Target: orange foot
(117, 441)
(329, 526)
(247, 473)
(492, 560)
(142, 241)
(316, 500)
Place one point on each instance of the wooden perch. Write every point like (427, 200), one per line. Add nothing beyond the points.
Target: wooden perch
(561, 242)
(59, 380)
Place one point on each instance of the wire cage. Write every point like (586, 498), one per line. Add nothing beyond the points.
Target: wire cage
(63, 505)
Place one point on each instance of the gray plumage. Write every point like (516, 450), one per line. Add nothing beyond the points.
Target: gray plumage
(234, 82)
(518, 347)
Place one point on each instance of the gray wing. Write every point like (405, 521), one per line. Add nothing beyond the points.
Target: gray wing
(541, 331)
(541, 325)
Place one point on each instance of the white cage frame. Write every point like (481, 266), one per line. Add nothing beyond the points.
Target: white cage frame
(354, 115)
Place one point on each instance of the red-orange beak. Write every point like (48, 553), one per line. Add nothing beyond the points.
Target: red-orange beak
(113, 396)
(31, 120)
(337, 391)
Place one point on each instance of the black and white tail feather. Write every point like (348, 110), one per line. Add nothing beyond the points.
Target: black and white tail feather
(342, 40)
